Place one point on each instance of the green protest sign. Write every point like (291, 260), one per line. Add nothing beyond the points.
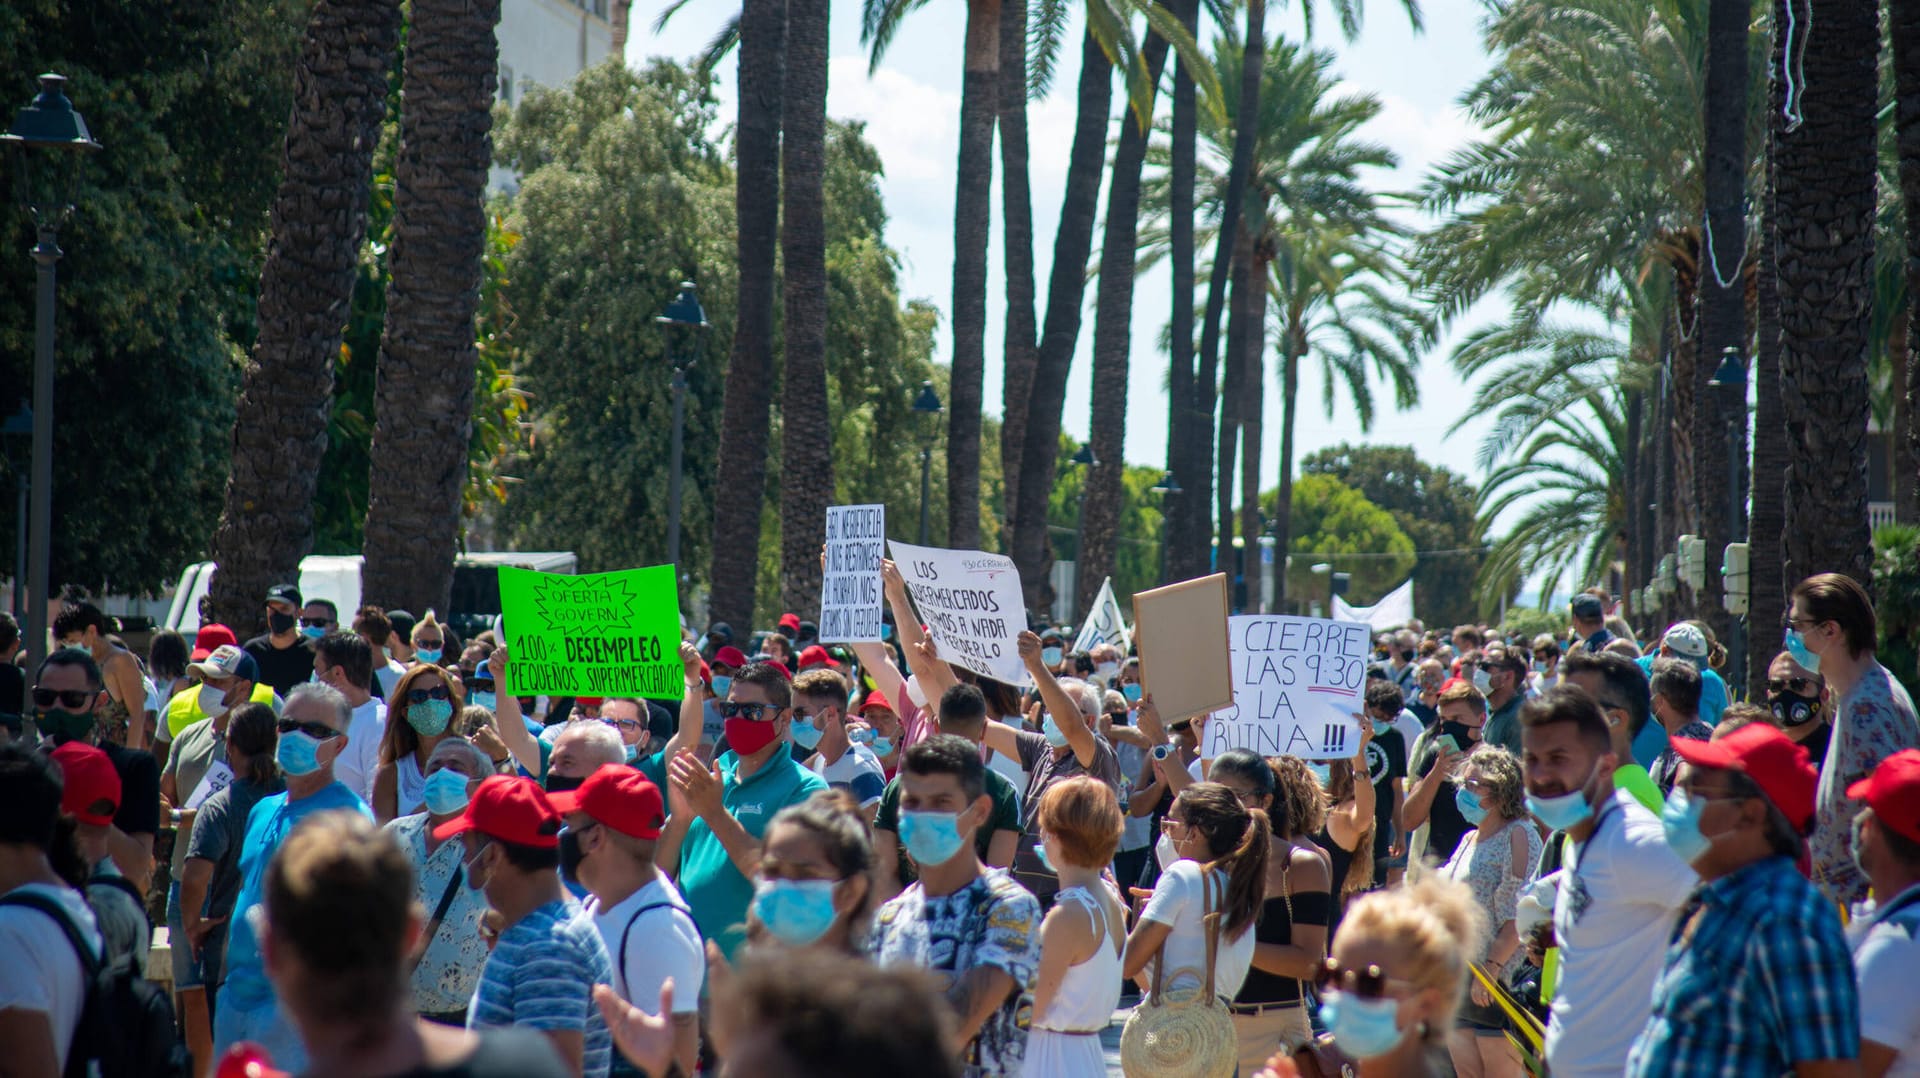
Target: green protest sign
(595, 634)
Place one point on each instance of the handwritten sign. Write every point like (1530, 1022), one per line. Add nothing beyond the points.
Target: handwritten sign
(596, 634)
(972, 605)
(850, 588)
(1297, 683)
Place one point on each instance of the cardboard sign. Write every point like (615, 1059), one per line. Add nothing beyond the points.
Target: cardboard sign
(1297, 684)
(218, 776)
(1105, 624)
(1181, 631)
(972, 605)
(850, 598)
(596, 634)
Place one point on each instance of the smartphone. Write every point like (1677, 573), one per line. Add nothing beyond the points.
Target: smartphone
(1447, 743)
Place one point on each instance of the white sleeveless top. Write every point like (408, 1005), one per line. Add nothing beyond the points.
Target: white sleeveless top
(409, 787)
(1091, 990)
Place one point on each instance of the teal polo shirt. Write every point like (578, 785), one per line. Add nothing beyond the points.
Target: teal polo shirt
(716, 890)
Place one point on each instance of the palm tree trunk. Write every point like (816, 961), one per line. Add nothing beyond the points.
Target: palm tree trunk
(423, 407)
(1686, 358)
(1066, 286)
(1021, 346)
(972, 218)
(1767, 578)
(1233, 407)
(1252, 418)
(1188, 423)
(1253, 62)
(1292, 355)
(806, 439)
(1824, 195)
(1903, 19)
(1633, 475)
(1900, 388)
(1666, 491)
(1112, 341)
(748, 402)
(620, 14)
(319, 218)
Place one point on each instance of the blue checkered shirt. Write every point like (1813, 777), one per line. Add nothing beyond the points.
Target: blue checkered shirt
(1758, 977)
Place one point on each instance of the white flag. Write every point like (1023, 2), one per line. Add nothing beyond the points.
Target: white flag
(1104, 624)
(1394, 609)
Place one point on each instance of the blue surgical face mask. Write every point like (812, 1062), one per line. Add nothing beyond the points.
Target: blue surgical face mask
(805, 733)
(1680, 820)
(298, 754)
(1469, 805)
(312, 632)
(1050, 656)
(445, 792)
(1362, 1028)
(427, 655)
(721, 683)
(1322, 771)
(797, 912)
(1055, 736)
(882, 745)
(1133, 692)
(1797, 647)
(1483, 681)
(933, 838)
(886, 631)
(482, 699)
(1565, 811)
(1040, 851)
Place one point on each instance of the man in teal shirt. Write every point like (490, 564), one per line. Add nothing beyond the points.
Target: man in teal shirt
(720, 813)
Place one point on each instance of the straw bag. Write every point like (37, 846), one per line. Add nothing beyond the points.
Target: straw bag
(1186, 1032)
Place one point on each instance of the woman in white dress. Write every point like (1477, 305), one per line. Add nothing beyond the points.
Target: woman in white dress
(1079, 981)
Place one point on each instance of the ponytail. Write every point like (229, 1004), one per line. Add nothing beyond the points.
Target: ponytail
(1239, 840)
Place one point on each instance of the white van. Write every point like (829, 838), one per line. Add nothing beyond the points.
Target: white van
(336, 578)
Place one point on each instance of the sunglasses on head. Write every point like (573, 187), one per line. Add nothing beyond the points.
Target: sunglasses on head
(750, 712)
(1795, 684)
(1367, 983)
(421, 696)
(71, 699)
(317, 730)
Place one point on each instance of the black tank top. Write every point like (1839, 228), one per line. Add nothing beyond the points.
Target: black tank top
(1275, 926)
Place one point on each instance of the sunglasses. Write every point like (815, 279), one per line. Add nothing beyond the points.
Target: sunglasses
(315, 623)
(481, 684)
(318, 730)
(430, 645)
(1182, 726)
(71, 699)
(421, 696)
(1367, 983)
(750, 712)
(1796, 684)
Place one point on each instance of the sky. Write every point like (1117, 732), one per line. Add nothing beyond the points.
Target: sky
(911, 104)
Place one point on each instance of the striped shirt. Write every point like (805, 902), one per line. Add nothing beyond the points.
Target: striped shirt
(1758, 978)
(541, 976)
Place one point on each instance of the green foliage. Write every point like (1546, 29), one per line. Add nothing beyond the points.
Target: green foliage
(1138, 555)
(1896, 600)
(1530, 623)
(1331, 518)
(163, 252)
(1432, 504)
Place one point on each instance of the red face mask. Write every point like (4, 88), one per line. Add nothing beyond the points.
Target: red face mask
(747, 737)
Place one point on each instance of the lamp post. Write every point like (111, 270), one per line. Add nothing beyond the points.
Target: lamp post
(1730, 383)
(926, 403)
(49, 123)
(685, 322)
(1087, 463)
(1168, 488)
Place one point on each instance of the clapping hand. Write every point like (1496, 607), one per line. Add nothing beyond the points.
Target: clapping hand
(645, 1039)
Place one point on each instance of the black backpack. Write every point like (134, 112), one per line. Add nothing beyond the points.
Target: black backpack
(126, 1022)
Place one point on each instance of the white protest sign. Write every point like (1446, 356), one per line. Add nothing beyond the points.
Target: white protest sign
(972, 605)
(1105, 624)
(1297, 684)
(850, 589)
(216, 779)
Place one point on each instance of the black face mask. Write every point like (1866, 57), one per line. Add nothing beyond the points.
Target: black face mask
(1119, 718)
(570, 856)
(62, 725)
(281, 623)
(1793, 709)
(1461, 732)
(562, 783)
(1406, 656)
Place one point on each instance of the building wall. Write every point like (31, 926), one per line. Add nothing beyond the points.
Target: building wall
(547, 43)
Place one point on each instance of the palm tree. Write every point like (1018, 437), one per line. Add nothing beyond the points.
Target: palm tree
(423, 406)
(306, 283)
(1903, 25)
(748, 401)
(1824, 195)
(1020, 343)
(806, 440)
(1183, 550)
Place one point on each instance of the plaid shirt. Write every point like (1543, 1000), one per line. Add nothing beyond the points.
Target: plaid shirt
(1758, 977)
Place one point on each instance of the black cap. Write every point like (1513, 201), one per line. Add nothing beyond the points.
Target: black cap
(1588, 606)
(402, 622)
(285, 593)
(720, 633)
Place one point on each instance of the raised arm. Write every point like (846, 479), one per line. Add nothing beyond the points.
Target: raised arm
(511, 727)
(687, 734)
(1064, 708)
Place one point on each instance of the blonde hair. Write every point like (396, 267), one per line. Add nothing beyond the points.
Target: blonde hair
(428, 622)
(1295, 784)
(1435, 927)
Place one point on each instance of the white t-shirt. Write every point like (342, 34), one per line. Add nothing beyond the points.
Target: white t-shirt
(1613, 916)
(1008, 766)
(1408, 724)
(664, 943)
(389, 676)
(857, 771)
(41, 972)
(1177, 901)
(1885, 959)
(361, 758)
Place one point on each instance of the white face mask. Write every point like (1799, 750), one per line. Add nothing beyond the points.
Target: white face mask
(1107, 671)
(213, 701)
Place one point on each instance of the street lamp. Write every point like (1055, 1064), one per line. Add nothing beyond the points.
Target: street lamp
(1730, 383)
(1167, 488)
(19, 425)
(48, 124)
(685, 322)
(926, 403)
(1087, 463)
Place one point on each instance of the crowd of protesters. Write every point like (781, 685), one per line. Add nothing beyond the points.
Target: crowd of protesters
(867, 860)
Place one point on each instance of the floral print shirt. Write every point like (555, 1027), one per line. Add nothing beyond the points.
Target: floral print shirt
(1874, 720)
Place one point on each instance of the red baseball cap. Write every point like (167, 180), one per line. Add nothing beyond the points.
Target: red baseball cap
(589, 701)
(209, 637)
(706, 673)
(618, 796)
(874, 699)
(1892, 790)
(511, 808)
(817, 656)
(90, 780)
(1770, 758)
(790, 621)
(780, 666)
(730, 656)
